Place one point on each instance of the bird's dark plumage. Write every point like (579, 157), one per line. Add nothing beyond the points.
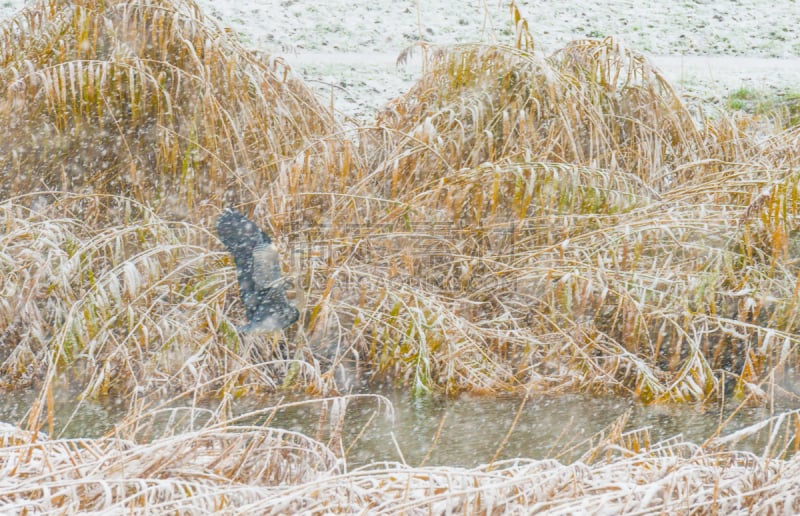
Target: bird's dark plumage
(261, 287)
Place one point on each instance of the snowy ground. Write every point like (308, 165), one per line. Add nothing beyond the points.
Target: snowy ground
(707, 48)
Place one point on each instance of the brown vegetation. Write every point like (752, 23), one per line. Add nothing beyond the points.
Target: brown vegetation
(512, 223)
(260, 470)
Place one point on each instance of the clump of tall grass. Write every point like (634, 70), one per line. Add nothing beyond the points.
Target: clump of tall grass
(129, 308)
(593, 103)
(566, 220)
(127, 123)
(514, 221)
(150, 100)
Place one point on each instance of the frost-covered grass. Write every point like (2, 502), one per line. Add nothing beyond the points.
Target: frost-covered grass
(514, 222)
(120, 301)
(784, 107)
(148, 101)
(246, 469)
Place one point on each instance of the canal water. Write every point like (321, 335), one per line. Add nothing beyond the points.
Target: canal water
(390, 425)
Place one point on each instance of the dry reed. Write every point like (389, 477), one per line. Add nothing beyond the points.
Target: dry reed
(513, 221)
(246, 469)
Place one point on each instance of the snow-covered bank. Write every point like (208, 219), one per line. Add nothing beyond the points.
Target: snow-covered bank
(361, 82)
(705, 48)
(702, 27)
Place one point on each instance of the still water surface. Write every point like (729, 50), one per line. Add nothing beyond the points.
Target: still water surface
(466, 431)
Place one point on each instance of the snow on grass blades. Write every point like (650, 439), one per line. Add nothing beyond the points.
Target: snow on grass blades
(515, 220)
(151, 100)
(515, 223)
(128, 309)
(228, 467)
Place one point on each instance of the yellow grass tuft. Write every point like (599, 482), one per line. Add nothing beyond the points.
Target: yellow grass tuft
(151, 100)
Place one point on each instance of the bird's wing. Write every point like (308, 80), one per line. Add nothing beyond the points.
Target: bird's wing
(266, 266)
(238, 233)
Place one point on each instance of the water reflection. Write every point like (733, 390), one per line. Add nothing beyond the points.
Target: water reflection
(71, 418)
(466, 431)
(470, 431)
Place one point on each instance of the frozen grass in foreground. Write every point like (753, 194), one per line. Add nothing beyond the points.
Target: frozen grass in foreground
(241, 469)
